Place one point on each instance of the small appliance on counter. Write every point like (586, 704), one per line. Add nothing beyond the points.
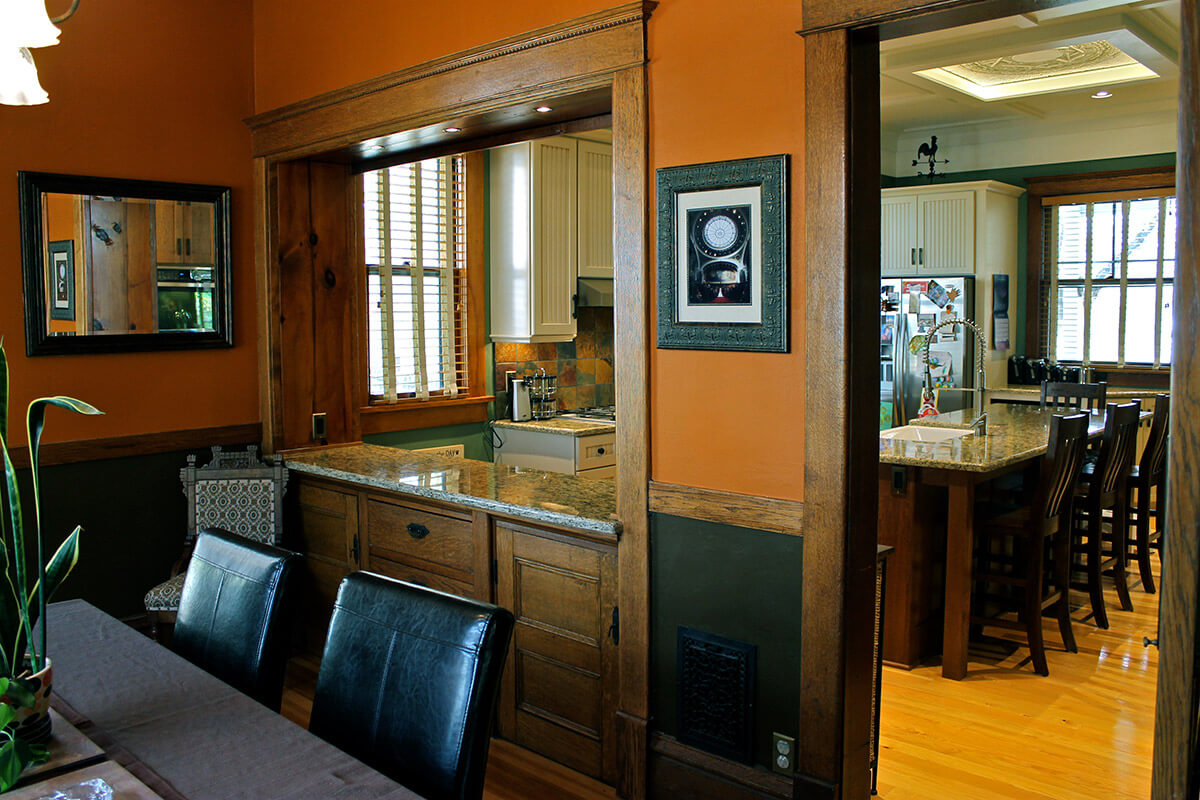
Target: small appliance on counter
(543, 392)
(1024, 371)
(520, 401)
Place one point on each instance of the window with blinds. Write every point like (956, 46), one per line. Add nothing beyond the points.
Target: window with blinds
(415, 251)
(1108, 271)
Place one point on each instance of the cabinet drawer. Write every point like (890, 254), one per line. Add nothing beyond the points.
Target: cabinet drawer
(422, 538)
(422, 577)
(595, 451)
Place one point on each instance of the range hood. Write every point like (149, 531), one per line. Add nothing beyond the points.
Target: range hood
(594, 292)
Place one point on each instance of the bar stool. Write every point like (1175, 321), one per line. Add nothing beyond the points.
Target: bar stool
(1083, 396)
(1149, 473)
(1035, 535)
(1103, 486)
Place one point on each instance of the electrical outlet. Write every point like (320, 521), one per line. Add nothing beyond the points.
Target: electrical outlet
(783, 757)
(459, 450)
(318, 425)
(509, 374)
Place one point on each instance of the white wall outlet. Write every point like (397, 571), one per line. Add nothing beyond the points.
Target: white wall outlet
(783, 754)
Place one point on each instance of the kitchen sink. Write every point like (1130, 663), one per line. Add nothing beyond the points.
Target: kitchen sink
(924, 433)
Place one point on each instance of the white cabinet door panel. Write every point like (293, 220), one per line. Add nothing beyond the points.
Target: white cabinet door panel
(946, 236)
(898, 224)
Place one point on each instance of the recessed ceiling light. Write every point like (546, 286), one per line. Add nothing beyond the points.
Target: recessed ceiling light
(543, 109)
(452, 129)
(1100, 95)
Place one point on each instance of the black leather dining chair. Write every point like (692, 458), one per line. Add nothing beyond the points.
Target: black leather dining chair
(409, 681)
(232, 611)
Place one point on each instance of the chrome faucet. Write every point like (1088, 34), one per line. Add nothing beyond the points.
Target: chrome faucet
(979, 424)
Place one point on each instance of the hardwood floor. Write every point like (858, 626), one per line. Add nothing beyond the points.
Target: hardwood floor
(1005, 733)
(513, 773)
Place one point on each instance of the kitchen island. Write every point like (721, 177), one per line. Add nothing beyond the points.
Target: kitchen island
(926, 511)
(542, 544)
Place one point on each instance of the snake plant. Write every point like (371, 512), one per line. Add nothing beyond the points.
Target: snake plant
(23, 595)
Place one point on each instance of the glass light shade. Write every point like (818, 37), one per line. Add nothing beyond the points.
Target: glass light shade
(19, 84)
(25, 23)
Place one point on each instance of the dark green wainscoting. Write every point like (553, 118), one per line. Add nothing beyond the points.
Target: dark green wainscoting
(475, 435)
(735, 582)
(133, 515)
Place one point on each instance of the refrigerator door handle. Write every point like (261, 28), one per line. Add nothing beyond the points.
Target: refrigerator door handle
(901, 365)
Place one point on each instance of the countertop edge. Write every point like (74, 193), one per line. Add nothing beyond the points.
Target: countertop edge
(522, 512)
(540, 426)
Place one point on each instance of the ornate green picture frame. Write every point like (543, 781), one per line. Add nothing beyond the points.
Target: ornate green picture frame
(722, 255)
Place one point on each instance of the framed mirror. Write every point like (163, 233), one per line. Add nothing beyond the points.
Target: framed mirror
(119, 265)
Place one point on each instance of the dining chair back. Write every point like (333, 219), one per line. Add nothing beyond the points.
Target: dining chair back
(1104, 487)
(235, 492)
(233, 613)
(1016, 545)
(1084, 396)
(1150, 474)
(408, 683)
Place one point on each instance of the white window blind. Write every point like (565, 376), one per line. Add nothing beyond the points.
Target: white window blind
(1108, 278)
(415, 248)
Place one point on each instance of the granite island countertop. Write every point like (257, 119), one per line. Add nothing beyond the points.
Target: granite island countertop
(587, 504)
(1014, 434)
(558, 425)
(1035, 393)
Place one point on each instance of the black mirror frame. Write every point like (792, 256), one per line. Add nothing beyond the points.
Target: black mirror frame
(30, 187)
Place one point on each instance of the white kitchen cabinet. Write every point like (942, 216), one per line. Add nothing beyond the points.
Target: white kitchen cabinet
(595, 209)
(589, 456)
(945, 229)
(551, 222)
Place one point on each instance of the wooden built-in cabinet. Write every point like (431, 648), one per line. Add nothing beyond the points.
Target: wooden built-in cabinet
(183, 232)
(559, 686)
(558, 694)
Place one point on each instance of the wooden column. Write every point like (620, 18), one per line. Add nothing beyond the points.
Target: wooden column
(841, 383)
(630, 245)
(1177, 712)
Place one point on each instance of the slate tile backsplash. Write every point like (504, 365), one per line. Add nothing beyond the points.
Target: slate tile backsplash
(584, 367)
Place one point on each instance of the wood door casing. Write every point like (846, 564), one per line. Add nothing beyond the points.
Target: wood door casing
(558, 693)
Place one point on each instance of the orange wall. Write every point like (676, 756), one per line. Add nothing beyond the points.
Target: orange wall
(152, 91)
(725, 82)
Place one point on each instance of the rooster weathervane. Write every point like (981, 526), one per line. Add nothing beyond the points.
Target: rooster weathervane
(927, 151)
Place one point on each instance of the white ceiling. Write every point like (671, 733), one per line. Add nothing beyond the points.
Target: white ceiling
(1140, 118)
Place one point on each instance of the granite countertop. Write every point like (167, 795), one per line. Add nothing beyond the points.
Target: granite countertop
(558, 425)
(586, 504)
(1014, 433)
(1113, 393)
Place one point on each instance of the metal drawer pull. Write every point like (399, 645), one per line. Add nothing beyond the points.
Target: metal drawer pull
(600, 451)
(417, 531)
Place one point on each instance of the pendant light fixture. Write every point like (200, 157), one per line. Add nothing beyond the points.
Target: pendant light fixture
(25, 24)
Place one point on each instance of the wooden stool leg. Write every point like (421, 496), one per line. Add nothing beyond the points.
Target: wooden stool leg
(1094, 578)
(1143, 537)
(1120, 544)
(1032, 610)
(1062, 585)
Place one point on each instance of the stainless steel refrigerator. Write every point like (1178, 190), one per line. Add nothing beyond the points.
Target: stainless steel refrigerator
(908, 310)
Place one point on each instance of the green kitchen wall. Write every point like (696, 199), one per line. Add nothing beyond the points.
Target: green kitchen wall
(1018, 176)
(701, 572)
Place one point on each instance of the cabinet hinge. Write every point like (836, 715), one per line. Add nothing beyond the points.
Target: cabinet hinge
(354, 550)
(614, 630)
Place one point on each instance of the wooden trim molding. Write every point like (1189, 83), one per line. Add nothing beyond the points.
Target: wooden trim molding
(409, 416)
(678, 770)
(140, 444)
(728, 508)
(489, 77)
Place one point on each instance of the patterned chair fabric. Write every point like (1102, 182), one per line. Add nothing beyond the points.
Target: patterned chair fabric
(235, 492)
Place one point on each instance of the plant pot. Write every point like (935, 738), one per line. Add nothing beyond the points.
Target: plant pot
(33, 724)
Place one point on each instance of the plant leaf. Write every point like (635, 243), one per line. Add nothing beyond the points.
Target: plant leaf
(16, 531)
(3, 393)
(7, 714)
(10, 765)
(61, 563)
(30, 753)
(19, 693)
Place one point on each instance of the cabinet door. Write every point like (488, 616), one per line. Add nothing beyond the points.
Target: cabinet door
(946, 232)
(595, 185)
(554, 241)
(327, 535)
(197, 219)
(558, 694)
(898, 240)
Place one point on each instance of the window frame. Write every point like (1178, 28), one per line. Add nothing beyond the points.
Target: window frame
(410, 413)
(1145, 179)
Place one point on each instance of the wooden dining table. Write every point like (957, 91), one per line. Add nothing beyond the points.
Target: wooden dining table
(178, 732)
(927, 509)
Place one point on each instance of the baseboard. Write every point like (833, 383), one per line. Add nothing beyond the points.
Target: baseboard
(677, 770)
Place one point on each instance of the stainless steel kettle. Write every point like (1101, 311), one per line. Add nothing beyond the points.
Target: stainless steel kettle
(521, 402)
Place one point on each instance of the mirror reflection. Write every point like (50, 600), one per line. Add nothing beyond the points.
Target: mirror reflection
(123, 264)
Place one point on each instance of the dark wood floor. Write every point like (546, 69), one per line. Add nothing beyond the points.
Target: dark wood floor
(514, 773)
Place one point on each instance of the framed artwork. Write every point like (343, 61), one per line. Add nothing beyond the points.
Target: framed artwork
(722, 255)
(61, 271)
